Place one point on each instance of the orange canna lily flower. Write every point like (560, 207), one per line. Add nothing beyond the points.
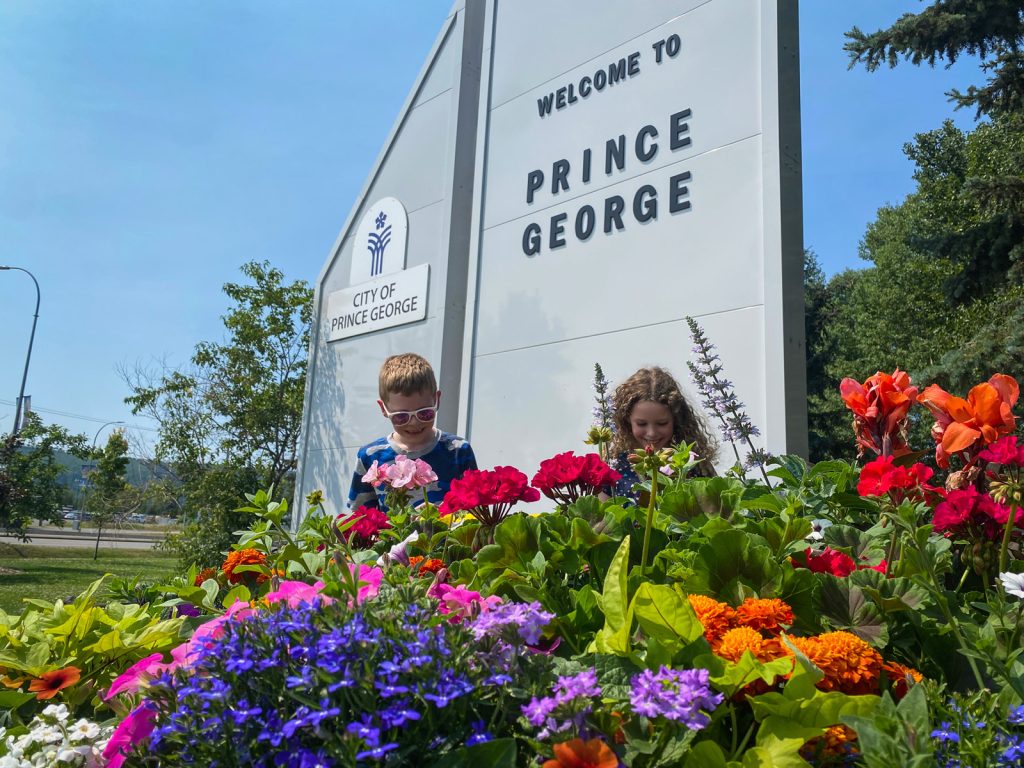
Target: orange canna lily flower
(967, 426)
(47, 686)
(880, 406)
(579, 754)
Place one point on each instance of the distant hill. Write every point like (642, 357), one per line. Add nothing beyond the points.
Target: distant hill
(139, 472)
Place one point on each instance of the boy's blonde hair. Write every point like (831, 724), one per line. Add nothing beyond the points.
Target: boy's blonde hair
(406, 374)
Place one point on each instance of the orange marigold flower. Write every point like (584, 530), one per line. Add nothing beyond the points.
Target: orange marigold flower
(47, 686)
(732, 644)
(767, 615)
(849, 664)
(580, 754)
(204, 575)
(433, 565)
(735, 642)
(838, 743)
(714, 616)
(901, 677)
(244, 557)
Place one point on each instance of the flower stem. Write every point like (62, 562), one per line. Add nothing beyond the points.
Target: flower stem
(650, 520)
(1011, 519)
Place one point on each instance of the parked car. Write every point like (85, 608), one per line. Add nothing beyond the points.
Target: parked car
(137, 518)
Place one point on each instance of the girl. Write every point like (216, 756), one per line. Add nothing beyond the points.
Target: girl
(650, 409)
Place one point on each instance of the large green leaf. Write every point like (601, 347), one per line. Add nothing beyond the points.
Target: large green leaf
(845, 606)
(663, 614)
(614, 603)
(516, 543)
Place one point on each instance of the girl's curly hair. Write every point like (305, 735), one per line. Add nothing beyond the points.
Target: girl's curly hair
(658, 385)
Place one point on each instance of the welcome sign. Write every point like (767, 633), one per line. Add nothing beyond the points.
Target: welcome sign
(579, 177)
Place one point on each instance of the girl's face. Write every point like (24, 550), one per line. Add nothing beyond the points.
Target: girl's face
(651, 424)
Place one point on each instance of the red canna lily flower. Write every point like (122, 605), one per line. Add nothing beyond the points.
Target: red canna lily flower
(880, 406)
(47, 686)
(579, 754)
(967, 426)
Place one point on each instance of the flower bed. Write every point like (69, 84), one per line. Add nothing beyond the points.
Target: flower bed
(825, 615)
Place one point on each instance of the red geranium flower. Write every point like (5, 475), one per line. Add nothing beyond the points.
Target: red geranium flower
(1005, 452)
(565, 477)
(488, 495)
(369, 521)
(882, 478)
(880, 406)
(829, 561)
(970, 514)
(833, 561)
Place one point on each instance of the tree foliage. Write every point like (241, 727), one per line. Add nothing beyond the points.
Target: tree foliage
(986, 245)
(108, 497)
(29, 471)
(941, 295)
(229, 421)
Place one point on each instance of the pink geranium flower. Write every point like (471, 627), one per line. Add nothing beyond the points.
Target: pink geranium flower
(374, 475)
(401, 473)
(459, 603)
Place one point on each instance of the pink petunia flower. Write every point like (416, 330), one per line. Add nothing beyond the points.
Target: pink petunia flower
(136, 727)
(138, 673)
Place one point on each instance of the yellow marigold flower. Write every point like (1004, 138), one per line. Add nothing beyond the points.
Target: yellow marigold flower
(849, 664)
(838, 743)
(714, 616)
(244, 557)
(768, 615)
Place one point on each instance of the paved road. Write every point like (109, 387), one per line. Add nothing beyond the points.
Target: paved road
(51, 536)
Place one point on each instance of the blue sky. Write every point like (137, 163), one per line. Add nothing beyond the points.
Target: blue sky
(147, 150)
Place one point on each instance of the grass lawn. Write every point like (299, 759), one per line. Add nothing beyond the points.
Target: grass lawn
(50, 573)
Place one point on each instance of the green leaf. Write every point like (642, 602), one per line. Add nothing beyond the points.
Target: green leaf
(706, 754)
(11, 700)
(845, 606)
(500, 753)
(238, 593)
(614, 637)
(665, 615)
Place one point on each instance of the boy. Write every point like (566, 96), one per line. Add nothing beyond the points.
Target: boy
(410, 399)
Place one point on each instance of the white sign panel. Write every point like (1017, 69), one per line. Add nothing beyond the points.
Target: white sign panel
(380, 242)
(394, 299)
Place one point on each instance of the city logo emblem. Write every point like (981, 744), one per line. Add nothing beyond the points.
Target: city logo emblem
(377, 243)
(379, 246)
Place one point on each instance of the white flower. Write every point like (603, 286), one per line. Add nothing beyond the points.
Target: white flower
(58, 711)
(84, 730)
(9, 761)
(817, 526)
(1013, 583)
(69, 756)
(397, 553)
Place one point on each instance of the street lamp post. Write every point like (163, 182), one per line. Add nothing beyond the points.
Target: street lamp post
(18, 416)
(81, 494)
(97, 437)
